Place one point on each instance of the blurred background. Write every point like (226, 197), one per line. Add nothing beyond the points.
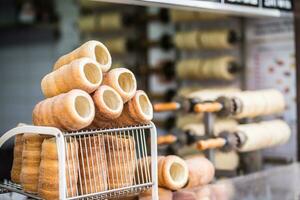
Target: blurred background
(34, 33)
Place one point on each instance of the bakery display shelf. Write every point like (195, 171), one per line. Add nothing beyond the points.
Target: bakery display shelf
(207, 6)
(8, 186)
(100, 163)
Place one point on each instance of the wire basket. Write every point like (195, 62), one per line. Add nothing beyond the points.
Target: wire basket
(99, 164)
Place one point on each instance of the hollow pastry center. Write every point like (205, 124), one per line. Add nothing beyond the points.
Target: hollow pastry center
(92, 73)
(145, 105)
(126, 82)
(101, 55)
(176, 172)
(82, 106)
(111, 100)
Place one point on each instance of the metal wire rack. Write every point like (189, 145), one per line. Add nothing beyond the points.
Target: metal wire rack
(99, 164)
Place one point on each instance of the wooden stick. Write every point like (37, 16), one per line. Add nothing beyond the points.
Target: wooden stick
(207, 107)
(211, 144)
(163, 107)
(166, 139)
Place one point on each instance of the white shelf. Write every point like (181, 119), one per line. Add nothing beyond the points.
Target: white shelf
(207, 6)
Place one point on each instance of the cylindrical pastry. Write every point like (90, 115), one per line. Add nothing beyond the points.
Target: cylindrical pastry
(201, 171)
(220, 68)
(190, 16)
(117, 45)
(123, 81)
(17, 162)
(120, 153)
(172, 172)
(138, 110)
(69, 111)
(82, 73)
(163, 194)
(31, 157)
(258, 103)
(219, 126)
(109, 106)
(93, 165)
(91, 49)
(48, 187)
(264, 135)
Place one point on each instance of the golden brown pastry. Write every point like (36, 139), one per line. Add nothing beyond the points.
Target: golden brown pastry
(201, 171)
(172, 172)
(138, 110)
(120, 153)
(31, 158)
(69, 111)
(123, 81)
(91, 49)
(93, 165)
(82, 73)
(17, 162)
(109, 106)
(48, 186)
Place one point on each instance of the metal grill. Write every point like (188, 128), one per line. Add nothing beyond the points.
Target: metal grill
(102, 164)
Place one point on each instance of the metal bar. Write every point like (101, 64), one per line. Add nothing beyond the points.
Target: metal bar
(153, 138)
(207, 6)
(14, 189)
(209, 131)
(60, 143)
(107, 130)
(297, 47)
(112, 191)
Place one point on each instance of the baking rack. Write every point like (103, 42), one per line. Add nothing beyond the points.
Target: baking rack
(123, 154)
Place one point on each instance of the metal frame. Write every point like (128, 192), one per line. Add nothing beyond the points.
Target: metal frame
(60, 141)
(297, 48)
(207, 6)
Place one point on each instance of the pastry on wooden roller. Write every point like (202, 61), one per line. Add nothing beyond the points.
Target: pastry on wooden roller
(31, 157)
(69, 111)
(261, 102)
(264, 135)
(91, 49)
(163, 194)
(138, 110)
(120, 153)
(172, 172)
(201, 171)
(93, 165)
(82, 73)
(123, 81)
(109, 106)
(48, 187)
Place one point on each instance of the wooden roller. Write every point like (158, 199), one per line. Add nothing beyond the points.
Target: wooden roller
(163, 107)
(166, 139)
(48, 187)
(82, 73)
(210, 144)
(172, 172)
(138, 110)
(123, 81)
(109, 106)
(31, 157)
(207, 107)
(91, 49)
(201, 171)
(68, 111)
